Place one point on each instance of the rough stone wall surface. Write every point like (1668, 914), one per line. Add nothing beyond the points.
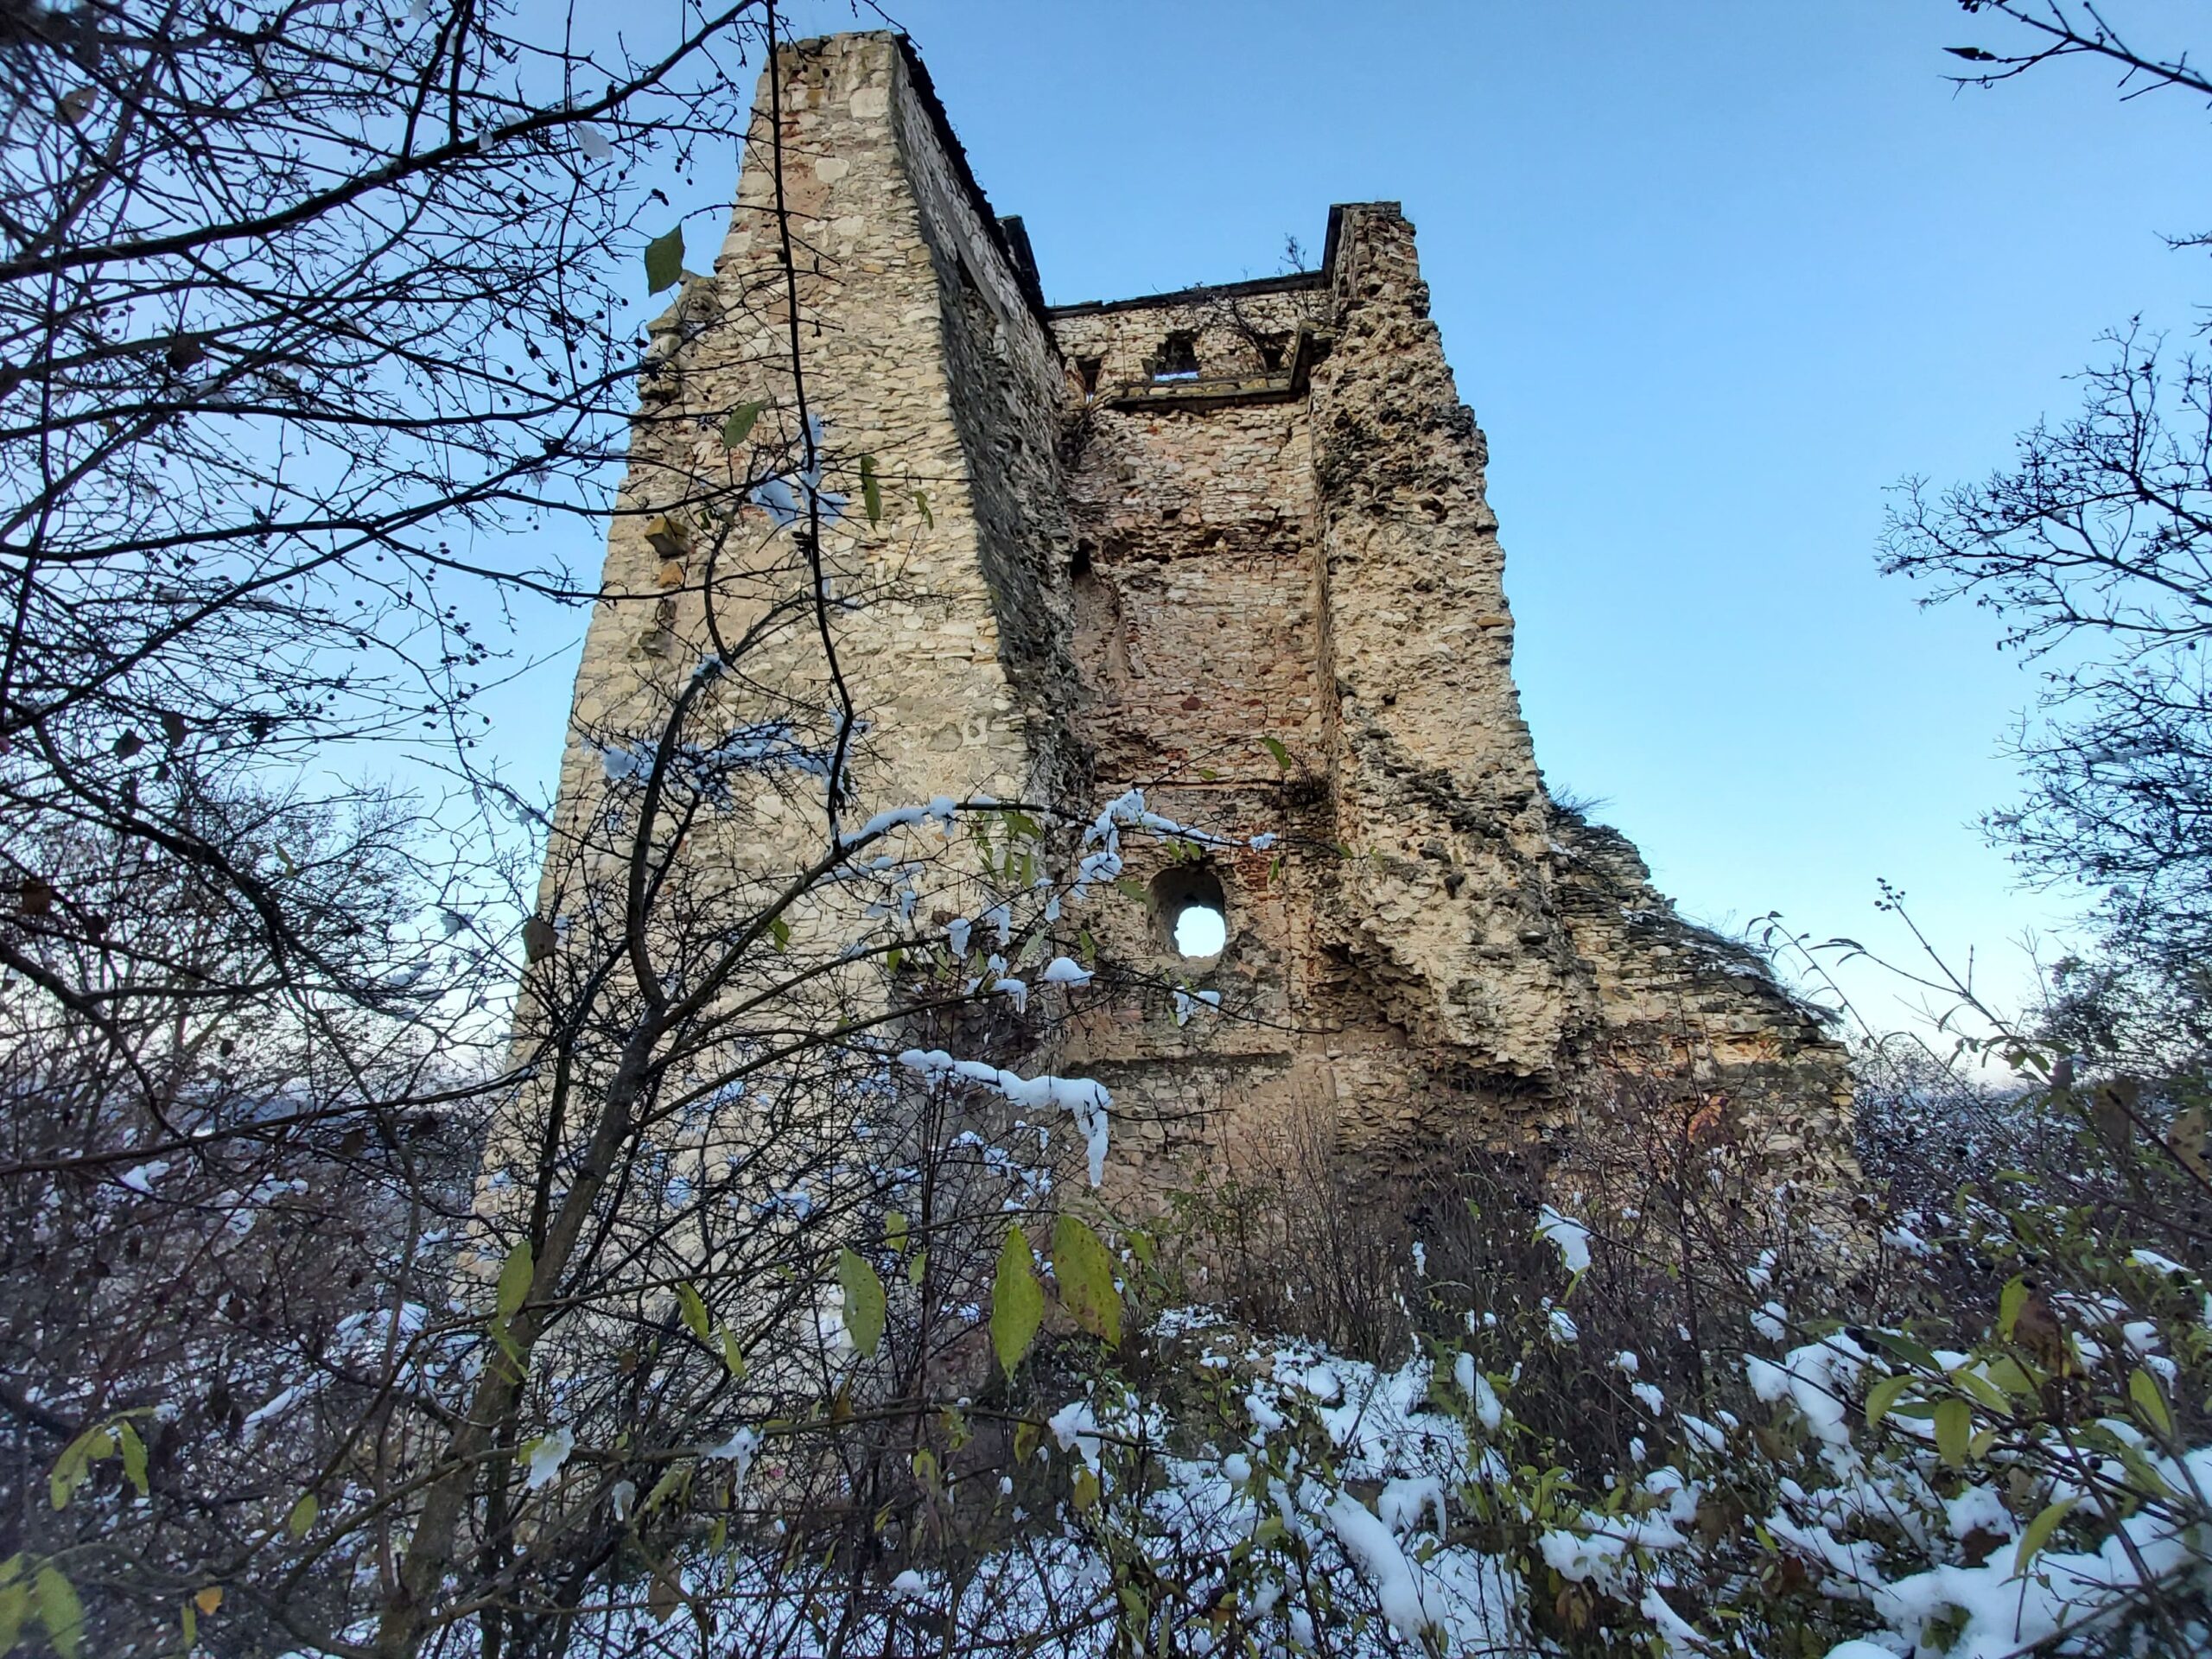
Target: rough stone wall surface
(919, 349)
(1231, 545)
(1434, 773)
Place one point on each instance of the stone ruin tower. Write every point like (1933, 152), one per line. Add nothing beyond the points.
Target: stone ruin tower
(1228, 544)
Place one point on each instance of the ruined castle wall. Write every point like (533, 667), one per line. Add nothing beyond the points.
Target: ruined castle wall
(1230, 545)
(1200, 630)
(953, 702)
(1227, 599)
(1282, 534)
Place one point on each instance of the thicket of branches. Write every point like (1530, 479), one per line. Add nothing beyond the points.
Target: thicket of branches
(308, 315)
(2094, 551)
(352, 1307)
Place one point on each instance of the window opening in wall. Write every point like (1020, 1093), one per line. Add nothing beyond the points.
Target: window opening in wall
(1272, 347)
(1088, 368)
(1178, 359)
(1192, 909)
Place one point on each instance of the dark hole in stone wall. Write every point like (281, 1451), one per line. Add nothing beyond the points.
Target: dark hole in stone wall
(1178, 359)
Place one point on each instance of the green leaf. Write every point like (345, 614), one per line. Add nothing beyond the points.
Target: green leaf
(871, 491)
(15, 1607)
(664, 261)
(780, 932)
(59, 1610)
(2150, 1403)
(1883, 1395)
(2012, 1376)
(922, 500)
(2141, 1475)
(2015, 1298)
(677, 1475)
(2038, 1534)
(917, 1266)
(1985, 1394)
(134, 1457)
(514, 1280)
(1954, 1431)
(72, 1466)
(691, 1307)
(303, 1515)
(1905, 1348)
(739, 426)
(864, 1302)
(1085, 1272)
(1276, 748)
(733, 1355)
(1017, 1302)
(191, 1620)
(894, 1231)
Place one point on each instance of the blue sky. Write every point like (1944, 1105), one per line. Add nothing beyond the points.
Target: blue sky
(1713, 276)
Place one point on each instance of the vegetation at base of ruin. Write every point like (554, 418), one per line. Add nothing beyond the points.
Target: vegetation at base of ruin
(741, 1290)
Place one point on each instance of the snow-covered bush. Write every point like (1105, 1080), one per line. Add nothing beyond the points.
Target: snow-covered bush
(1703, 1414)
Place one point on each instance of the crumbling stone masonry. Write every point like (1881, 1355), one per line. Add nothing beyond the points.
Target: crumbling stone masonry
(1230, 544)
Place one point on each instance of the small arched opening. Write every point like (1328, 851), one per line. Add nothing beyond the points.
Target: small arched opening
(1191, 910)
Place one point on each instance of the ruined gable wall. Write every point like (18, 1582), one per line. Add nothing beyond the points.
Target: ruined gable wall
(925, 654)
(953, 652)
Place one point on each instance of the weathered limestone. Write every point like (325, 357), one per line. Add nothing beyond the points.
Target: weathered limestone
(1231, 545)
